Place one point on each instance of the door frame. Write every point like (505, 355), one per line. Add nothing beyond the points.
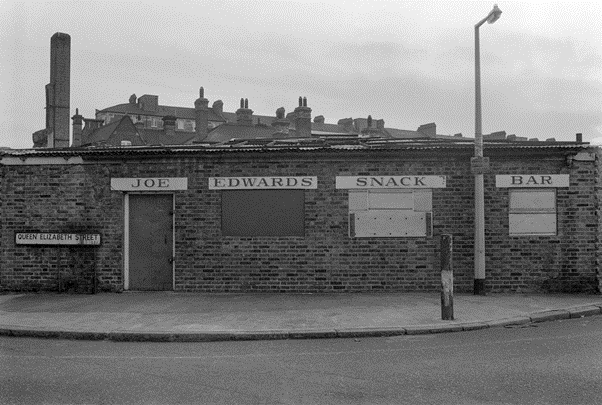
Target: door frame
(126, 238)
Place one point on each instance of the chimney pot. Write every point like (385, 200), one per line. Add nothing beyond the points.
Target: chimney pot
(579, 137)
(201, 116)
(244, 115)
(303, 119)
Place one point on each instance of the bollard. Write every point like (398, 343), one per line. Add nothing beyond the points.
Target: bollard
(447, 279)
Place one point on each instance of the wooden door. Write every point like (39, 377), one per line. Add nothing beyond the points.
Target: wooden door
(150, 242)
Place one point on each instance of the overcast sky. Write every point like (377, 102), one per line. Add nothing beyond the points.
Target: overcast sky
(409, 63)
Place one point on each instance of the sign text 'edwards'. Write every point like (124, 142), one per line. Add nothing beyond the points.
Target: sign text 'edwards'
(390, 182)
(220, 183)
(149, 183)
(49, 238)
(532, 180)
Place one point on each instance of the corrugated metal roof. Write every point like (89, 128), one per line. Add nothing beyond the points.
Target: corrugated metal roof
(305, 145)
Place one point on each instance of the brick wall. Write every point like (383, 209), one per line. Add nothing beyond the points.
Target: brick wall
(73, 198)
(52, 198)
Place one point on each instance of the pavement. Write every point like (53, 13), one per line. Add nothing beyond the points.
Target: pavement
(169, 316)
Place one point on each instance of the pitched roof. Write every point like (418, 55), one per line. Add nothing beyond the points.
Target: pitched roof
(403, 133)
(228, 131)
(101, 134)
(114, 133)
(263, 119)
(159, 137)
(162, 110)
(124, 129)
(324, 128)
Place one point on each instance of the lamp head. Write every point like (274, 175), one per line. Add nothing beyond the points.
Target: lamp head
(494, 14)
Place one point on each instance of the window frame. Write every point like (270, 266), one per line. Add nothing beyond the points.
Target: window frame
(410, 207)
(229, 201)
(532, 210)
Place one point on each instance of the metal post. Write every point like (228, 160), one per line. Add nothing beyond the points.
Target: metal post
(447, 278)
(58, 269)
(95, 285)
(479, 197)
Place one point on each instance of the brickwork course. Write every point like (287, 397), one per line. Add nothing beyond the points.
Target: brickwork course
(71, 196)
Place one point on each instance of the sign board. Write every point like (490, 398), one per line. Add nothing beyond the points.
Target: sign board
(255, 183)
(532, 180)
(149, 183)
(49, 238)
(390, 182)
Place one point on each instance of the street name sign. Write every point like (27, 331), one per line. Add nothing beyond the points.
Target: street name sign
(49, 238)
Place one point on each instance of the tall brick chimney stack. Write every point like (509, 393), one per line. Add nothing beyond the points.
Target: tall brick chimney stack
(201, 115)
(56, 133)
(303, 119)
(244, 115)
(77, 129)
(58, 91)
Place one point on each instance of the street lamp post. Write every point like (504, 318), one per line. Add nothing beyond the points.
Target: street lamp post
(479, 164)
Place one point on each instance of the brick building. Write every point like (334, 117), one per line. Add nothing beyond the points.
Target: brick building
(143, 121)
(153, 197)
(298, 215)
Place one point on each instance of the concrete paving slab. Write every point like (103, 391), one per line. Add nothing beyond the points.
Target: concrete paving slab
(169, 316)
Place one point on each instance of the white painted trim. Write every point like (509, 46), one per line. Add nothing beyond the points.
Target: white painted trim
(126, 242)
(390, 182)
(532, 180)
(263, 183)
(143, 184)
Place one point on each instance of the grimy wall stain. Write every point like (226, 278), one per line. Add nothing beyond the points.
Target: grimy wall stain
(78, 198)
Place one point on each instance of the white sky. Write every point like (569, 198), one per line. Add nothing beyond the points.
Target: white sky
(409, 63)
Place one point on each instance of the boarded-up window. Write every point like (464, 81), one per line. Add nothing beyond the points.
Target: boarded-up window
(390, 213)
(263, 213)
(532, 212)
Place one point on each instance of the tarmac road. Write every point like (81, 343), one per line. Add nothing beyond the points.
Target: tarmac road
(557, 362)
